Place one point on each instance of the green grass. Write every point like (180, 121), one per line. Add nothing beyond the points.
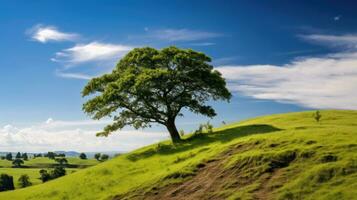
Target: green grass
(33, 173)
(47, 163)
(32, 167)
(288, 156)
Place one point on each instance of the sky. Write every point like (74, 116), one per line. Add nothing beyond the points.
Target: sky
(276, 56)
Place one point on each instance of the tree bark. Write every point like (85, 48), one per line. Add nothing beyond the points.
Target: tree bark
(171, 127)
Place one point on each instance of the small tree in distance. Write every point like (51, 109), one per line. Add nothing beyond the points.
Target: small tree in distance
(9, 156)
(51, 155)
(317, 116)
(18, 155)
(17, 162)
(44, 175)
(58, 171)
(154, 86)
(97, 156)
(24, 156)
(6, 182)
(24, 181)
(104, 157)
(61, 161)
(83, 156)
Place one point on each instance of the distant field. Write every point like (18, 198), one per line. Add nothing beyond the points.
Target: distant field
(34, 165)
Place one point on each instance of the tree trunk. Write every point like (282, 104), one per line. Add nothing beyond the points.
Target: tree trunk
(171, 127)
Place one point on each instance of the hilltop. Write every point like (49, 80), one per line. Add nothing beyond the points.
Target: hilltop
(282, 156)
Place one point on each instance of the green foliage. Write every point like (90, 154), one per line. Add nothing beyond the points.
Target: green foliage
(61, 161)
(153, 86)
(97, 156)
(18, 155)
(24, 156)
(182, 133)
(8, 156)
(58, 171)
(51, 155)
(83, 156)
(44, 175)
(317, 116)
(207, 128)
(17, 162)
(104, 157)
(24, 181)
(37, 155)
(6, 182)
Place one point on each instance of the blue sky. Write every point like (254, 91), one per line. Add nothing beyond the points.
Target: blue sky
(277, 56)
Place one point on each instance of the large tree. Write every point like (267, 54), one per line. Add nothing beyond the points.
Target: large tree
(154, 86)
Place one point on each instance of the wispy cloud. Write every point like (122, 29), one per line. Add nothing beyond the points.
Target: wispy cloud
(52, 135)
(203, 44)
(94, 51)
(337, 18)
(347, 40)
(73, 75)
(225, 60)
(45, 34)
(317, 82)
(177, 35)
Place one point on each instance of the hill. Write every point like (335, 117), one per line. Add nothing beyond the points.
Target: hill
(283, 156)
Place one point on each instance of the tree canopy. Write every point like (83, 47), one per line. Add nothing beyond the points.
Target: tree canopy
(154, 86)
(6, 182)
(83, 156)
(17, 162)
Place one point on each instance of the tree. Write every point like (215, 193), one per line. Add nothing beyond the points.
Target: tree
(154, 86)
(24, 181)
(6, 182)
(18, 155)
(17, 162)
(44, 175)
(61, 161)
(24, 156)
(317, 116)
(9, 156)
(97, 156)
(83, 156)
(51, 155)
(61, 155)
(104, 157)
(37, 155)
(58, 171)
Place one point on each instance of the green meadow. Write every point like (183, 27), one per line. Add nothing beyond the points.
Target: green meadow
(281, 156)
(32, 166)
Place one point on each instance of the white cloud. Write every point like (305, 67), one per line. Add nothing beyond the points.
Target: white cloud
(94, 51)
(73, 75)
(45, 34)
(54, 135)
(317, 82)
(174, 35)
(49, 121)
(203, 44)
(347, 40)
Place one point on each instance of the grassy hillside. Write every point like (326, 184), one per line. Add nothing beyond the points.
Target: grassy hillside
(285, 156)
(33, 165)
